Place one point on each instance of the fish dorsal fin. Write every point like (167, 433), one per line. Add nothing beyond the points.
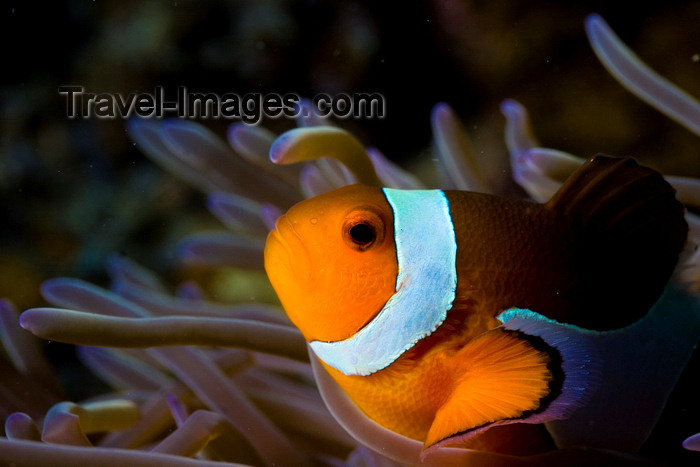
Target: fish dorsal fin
(616, 193)
(632, 231)
(530, 370)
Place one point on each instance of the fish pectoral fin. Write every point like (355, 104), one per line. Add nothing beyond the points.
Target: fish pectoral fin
(509, 378)
(530, 370)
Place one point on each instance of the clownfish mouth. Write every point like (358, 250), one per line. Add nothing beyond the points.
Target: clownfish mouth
(286, 254)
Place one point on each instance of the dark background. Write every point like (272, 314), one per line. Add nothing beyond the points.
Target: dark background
(74, 191)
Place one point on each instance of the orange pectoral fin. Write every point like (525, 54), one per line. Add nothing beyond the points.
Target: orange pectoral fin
(530, 370)
(507, 378)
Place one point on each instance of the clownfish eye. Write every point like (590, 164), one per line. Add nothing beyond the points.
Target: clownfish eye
(363, 229)
(362, 234)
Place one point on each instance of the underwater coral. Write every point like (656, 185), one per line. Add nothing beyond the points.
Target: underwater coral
(196, 382)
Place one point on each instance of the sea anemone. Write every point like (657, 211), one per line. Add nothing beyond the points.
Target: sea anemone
(248, 392)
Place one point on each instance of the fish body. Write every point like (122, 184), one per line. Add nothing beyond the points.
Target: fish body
(403, 294)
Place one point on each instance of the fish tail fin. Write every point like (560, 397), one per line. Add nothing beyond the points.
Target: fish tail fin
(530, 370)
(634, 231)
(650, 364)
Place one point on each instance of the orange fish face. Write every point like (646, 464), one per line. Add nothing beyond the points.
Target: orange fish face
(332, 261)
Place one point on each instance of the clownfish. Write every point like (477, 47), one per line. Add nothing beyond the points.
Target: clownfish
(438, 311)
